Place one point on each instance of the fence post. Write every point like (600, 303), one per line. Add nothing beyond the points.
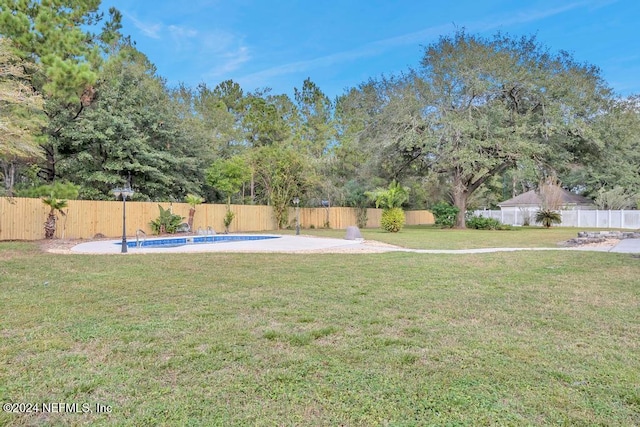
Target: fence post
(621, 218)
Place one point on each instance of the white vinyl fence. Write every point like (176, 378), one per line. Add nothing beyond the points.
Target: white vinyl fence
(571, 218)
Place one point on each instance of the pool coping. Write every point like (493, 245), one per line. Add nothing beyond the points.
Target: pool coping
(280, 243)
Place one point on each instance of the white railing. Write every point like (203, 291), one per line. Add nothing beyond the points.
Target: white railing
(570, 218)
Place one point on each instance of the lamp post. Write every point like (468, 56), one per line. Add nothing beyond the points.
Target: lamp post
(296, 201)
(124, 192)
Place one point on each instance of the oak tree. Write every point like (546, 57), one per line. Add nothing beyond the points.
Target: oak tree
(478, 106)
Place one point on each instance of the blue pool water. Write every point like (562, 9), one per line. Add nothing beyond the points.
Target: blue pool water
(172, 242)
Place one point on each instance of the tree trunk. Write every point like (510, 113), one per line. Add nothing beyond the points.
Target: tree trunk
(9, 171)
(49, 170)
(192, 213)
(460, 196)
(460, 202)
(50, 226)
(253, 189)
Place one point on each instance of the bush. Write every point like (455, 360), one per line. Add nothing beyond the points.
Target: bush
(392, 220)
(228, 219)
(167, 222)
(445, 214)
(482, 223)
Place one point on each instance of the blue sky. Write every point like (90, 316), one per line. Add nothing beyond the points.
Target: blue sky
(339, 44)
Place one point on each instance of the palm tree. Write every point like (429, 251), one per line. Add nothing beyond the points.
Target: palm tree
(56, 205)
(548, 217)
(390, 200)
(193, 201)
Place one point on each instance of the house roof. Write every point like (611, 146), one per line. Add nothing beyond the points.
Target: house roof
(532, 198)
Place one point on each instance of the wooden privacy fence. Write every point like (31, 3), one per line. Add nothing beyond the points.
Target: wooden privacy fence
(23, 218)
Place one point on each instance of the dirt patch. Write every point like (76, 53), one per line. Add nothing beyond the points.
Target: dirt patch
(60, 246)
(603, 243)
(608, 242)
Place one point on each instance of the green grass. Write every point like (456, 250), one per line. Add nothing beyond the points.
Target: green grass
(545, 338)
(429, 237)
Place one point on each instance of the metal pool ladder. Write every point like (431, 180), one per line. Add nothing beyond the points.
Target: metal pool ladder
(144, 237)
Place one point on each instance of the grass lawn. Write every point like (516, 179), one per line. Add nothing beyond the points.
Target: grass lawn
(429, 237)
(401, 339)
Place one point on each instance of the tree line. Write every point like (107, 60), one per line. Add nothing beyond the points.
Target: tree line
(479, 120)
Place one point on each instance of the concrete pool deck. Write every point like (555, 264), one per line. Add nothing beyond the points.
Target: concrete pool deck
(282, 243)
(310, 244)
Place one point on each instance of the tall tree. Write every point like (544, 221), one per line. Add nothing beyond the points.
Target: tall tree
(619, 125)
(283, 173)
(268, 119)
(228, 175)
(21, 115)
(349, 169)
(57, 36)
(220, 111)
(316, 132)
(478, 106)
(131, 133)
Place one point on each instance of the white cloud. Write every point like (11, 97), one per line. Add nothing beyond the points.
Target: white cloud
(149, 30)
(219, 53)
(365, 51)
(216, 42)
(227, 62)
(159, 30)
(379, 47)
(182, 32)
(533, 15)
(214, 53)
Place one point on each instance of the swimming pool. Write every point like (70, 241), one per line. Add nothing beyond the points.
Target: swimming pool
(172, 242)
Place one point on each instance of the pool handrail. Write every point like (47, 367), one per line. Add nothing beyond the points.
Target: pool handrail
(138, 232)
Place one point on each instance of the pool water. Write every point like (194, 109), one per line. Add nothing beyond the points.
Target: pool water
(172, 242)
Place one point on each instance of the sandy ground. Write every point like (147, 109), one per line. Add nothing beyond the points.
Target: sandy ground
(58, 246)
(606, 243)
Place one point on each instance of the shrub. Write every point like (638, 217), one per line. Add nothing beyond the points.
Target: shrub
(482, 223)
(526, 216)
(548, 217)
(445, 214)
(228, 219)
(392, 220)
(166, 222)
